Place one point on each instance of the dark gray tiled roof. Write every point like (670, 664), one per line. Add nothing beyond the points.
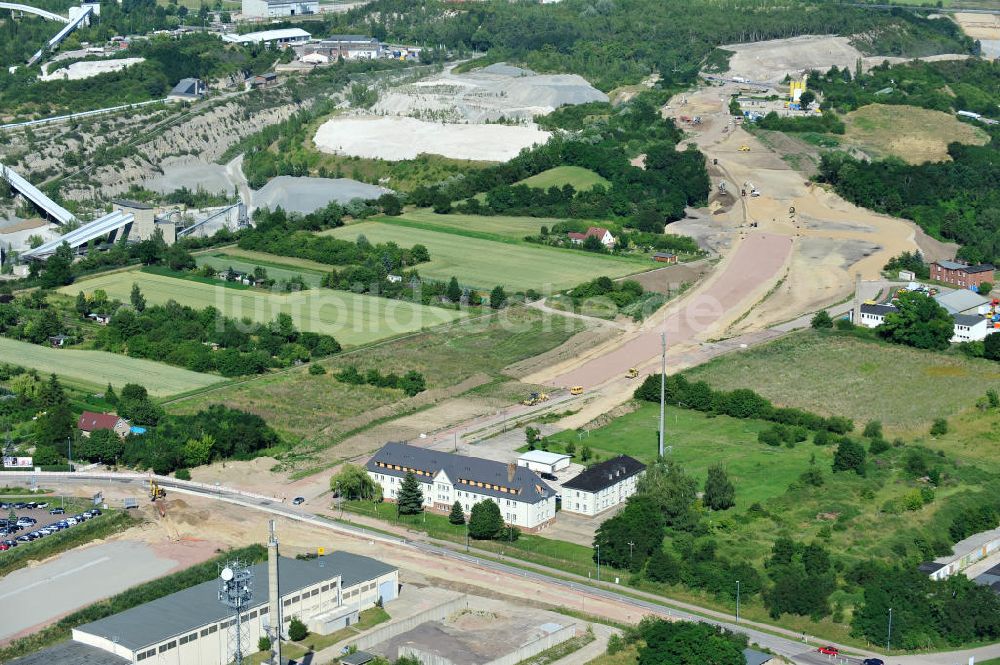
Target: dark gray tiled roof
(607, 473)
(930, 567)
(530, 489)
(752, 657)
(966, 319)
(878, 310)
(192, 608)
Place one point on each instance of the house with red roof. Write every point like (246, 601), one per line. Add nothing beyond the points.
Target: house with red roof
(89, 422)
(601, 234)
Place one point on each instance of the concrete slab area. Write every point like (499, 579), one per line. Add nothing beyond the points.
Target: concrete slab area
(36, 595)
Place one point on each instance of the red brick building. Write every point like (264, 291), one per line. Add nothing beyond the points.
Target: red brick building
(962, 274)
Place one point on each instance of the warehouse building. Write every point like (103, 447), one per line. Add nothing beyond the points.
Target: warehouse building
(191, 627)
(524, 499)
(542, 461)
(602, 486)
(281, 38)
(272, 8)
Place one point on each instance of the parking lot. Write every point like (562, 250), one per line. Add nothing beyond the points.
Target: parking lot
(40, 513)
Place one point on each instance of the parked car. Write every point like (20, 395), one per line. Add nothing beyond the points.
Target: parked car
(10, 543)
(19, 505)
(24, 538)
(42, 504)
(72, 521)
(829, 650)
(873, 661)
(4, 547)
(94, 512)
(57, 511)
(298, 501)
(26, 521)
(30, 505)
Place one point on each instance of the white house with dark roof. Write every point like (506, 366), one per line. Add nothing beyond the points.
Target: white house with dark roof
(524, 498)
(602, 486)
(970, 328)
(872, 316)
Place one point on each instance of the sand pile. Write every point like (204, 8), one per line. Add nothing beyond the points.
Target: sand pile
(84, 70)
(192, 173)
(395, 138)
(308, 194)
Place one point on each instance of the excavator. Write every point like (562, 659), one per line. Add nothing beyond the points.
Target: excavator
(744, 148)
(155, 491)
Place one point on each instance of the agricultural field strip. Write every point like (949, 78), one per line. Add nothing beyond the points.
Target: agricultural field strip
(352, 318)
(580, 178)
(484, 262)
(221, 261)
(98, 368)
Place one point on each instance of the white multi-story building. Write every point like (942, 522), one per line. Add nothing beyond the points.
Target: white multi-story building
(602, 486)
(524, 498)
(971, 328)
(191, 627)
(272, 8)
(348, 47)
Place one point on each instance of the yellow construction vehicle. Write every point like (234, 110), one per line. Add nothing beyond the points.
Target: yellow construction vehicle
(632, 373)
(744, 148)
(576, 390)
(155, 491)
(536, 398)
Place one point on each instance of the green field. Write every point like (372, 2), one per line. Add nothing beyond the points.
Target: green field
(484, 263)
(862, 379)
(353, 319)
(502, 227)
(95, 369)
(580, 178)
(275, 270)
(758, 471)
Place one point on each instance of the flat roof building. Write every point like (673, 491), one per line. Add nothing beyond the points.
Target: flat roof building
(272, 8)
(543, 461)
(282, 37)
(524, 498)
(191, 627)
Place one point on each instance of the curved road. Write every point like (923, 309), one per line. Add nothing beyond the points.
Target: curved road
(781, 641)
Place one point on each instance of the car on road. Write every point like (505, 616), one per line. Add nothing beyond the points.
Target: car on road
(298, 501)
(829, 650)
(873, 661)
(57, 511)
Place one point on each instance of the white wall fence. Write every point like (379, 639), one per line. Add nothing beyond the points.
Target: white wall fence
(395, 628)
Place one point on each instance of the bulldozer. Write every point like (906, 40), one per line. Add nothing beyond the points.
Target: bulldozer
(536, 398)
(576, 390)
(155, 491)
(632, 373)
(744, 148)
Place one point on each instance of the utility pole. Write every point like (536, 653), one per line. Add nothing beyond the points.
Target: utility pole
(888, 638)
(69, 443)
(663, 386)
(598, 562)
(630, 546)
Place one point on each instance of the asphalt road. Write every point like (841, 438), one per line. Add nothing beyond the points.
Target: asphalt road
(78, 578)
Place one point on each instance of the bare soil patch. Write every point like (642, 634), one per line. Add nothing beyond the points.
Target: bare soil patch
(913, 134)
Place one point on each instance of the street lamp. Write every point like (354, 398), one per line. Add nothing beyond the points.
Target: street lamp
(630, 546)
(598, 562)
(888, 638)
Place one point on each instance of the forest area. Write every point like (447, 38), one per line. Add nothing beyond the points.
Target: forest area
(957, 199)
(613, 43)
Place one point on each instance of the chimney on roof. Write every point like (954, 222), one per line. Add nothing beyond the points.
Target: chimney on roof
(511, 468)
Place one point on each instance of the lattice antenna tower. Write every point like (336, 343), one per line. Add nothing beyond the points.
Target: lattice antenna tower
(236, 592)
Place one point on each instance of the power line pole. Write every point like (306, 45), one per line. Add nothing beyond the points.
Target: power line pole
(888, 638)
(663, 386)
(737, 601)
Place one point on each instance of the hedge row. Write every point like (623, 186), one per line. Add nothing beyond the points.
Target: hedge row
(740, 403)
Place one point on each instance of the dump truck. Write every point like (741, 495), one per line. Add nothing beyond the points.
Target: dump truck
(632, 373)
(576, 390)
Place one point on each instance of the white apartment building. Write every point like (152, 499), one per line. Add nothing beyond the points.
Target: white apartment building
(603, 486)
(524, 499)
